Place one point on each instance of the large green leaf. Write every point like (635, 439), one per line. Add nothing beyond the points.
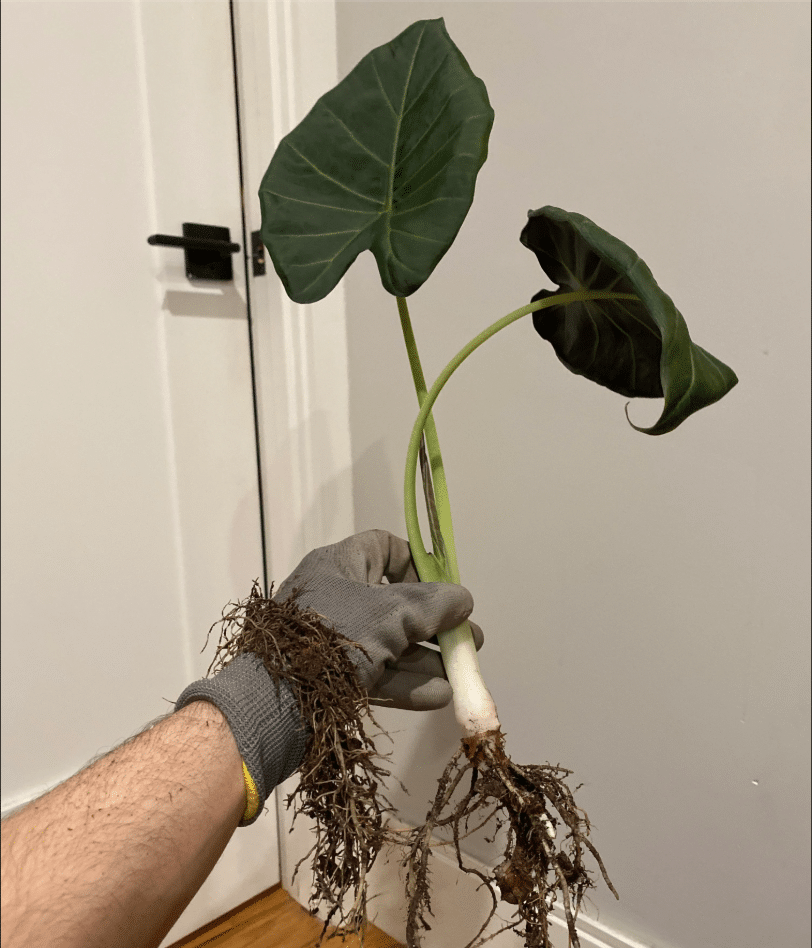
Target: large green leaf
(635, 348)
(385, 161)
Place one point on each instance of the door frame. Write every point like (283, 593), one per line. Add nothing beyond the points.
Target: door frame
(287, 58)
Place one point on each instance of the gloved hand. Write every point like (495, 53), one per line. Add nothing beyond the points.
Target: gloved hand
(342, 582)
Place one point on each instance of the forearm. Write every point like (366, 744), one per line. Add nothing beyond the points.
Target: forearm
(115, 854)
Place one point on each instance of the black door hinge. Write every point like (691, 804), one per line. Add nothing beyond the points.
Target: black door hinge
(257, 254)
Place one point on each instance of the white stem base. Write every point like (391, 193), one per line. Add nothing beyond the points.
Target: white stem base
(473, 705)
(476, 714)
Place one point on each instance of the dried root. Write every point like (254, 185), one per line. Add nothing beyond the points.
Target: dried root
(533, 871)
(340, 774)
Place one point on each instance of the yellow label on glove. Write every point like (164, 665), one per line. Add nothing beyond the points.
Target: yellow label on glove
(251, 796)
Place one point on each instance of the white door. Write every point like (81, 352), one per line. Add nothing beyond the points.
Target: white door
(130, 488)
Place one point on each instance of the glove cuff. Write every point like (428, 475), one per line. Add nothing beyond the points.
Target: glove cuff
(267, 726)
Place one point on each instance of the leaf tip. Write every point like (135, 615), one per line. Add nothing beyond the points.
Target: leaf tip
(626, 409)
(649, 431)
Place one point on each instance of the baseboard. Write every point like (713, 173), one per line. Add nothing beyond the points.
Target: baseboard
(12, 804)
(459, 903)
(460, 907)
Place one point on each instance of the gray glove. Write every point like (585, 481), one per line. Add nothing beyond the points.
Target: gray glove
(267, 726)
(342, 582)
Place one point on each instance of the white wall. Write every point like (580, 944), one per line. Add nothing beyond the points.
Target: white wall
(91, 589)
(645, 600)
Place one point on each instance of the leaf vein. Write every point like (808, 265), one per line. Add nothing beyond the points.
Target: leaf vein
(400, 118)
(428, 181)
(409, 210)
(332, 207)
(326, 233)
(452, 135)
(327, 177)
(383, 91)
(432, 240)
(428, 83)
(356, 140)
(330, 260)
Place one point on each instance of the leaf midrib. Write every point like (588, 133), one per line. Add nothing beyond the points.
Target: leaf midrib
(401, 113)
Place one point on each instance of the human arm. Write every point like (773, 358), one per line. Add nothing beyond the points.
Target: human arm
(114, 855)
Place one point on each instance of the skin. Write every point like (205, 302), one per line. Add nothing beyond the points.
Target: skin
(115, 854)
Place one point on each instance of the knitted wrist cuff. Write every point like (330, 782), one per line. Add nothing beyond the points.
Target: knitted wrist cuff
(267, 726)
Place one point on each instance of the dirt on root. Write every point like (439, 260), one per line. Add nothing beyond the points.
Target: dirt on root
(341, 775)
(538, 807)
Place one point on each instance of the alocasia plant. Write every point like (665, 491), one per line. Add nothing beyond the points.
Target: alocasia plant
(387, 161)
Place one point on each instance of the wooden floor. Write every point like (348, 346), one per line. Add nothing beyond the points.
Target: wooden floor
(274, 920)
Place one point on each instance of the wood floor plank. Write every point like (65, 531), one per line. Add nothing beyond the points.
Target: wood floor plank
(274, 920)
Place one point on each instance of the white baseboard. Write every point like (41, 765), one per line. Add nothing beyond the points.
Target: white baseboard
(459, 907)
(10, 804)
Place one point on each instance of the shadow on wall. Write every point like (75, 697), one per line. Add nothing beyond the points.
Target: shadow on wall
(323, 516)
(213, 299)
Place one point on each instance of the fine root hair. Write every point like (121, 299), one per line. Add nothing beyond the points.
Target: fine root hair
(341, 774)
(536, 805)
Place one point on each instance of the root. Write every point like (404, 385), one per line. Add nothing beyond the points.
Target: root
(534, 872)
(340, 789)
(341, 771)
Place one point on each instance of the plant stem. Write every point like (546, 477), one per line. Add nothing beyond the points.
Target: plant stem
(430, 431)
(473, 705)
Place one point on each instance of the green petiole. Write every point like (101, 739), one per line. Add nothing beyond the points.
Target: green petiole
(474, 707)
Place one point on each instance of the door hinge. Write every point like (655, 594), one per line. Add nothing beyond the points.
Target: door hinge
(257, 254)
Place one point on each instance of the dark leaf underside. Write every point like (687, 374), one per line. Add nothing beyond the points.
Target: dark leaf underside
(638, 348)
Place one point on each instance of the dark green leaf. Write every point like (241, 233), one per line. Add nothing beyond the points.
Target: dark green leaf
(385, 161)
(639, 349)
